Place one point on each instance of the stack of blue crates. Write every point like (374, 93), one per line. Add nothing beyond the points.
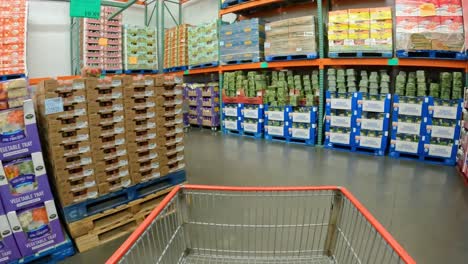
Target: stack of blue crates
(253, 120)
(340, 122)
(232, 118)
(303, 125)
(443, 130)
(277, 122)
(372, 122)
(409, 121)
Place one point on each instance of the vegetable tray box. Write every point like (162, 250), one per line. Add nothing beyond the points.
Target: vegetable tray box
(19, 134)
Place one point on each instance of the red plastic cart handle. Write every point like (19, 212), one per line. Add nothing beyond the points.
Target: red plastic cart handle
(122, 250)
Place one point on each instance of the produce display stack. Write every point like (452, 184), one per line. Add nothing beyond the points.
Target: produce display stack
(169, 124)
(426, 119)
(108, 134)
(13, 30)
(293, 38)
(28, 218)
(102, 41)
(176, 47)
(193, 97)
(232, 118)
(210, 105)
(340, 102)
(462, 153)
(140, 48)
(140, 128)
(366, 30)
(430, 25)
(68, 139)
(253, 120)
(203, 45)
(242, 41)
(13, 93)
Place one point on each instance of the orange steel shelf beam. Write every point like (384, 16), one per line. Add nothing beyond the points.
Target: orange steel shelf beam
(289, 64)
(204, 70)
(281, 10)
(247, 5)
(433, 63)
(354, 62)
(237, 67)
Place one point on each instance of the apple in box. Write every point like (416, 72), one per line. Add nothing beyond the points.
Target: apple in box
(451, 24)
(36, 227)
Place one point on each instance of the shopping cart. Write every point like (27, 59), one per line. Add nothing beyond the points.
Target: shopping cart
(230, 225)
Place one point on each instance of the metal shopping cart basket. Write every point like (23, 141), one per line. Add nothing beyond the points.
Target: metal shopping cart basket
(230, 225)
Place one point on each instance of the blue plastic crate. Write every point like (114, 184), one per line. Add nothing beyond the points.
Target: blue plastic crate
(228, 125)
(305, 136)
(339, 101)
(272, 132)
(309, 117)
(277, 115)
(253, 128)
(51, 255)
(410, 106)
(253, 111)
(339, 140)
(232, 111)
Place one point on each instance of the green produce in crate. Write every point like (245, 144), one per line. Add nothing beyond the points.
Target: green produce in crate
(410, 89)
(363, 83)
(373, 91)
(374, 77)
(350, 72)
(385, 78)
(331, 71)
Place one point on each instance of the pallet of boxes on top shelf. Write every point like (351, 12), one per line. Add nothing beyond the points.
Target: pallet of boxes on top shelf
(430, 29)
(360, 33)
(67, 139)
(242, 42)
(107, 118)
(102, 41)
(24, 186)
(176, 48)
(291, 39)
(140, 49)
(140, 123)
(169, 123)
(203, 45)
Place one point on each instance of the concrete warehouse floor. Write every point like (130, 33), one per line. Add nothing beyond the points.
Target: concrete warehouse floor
(425, 207)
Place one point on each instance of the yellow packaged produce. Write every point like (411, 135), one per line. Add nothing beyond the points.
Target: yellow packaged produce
(381, 13)
(361, 14)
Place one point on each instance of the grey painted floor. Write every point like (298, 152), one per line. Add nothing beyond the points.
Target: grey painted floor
(425, 207)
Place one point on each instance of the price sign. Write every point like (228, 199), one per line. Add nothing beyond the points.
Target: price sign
(85, 8)
(133, 60)
(53, 105)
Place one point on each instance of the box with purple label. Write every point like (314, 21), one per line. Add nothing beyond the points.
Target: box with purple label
(23, 182)
(36, 227)
(8, 248)
(18, 132)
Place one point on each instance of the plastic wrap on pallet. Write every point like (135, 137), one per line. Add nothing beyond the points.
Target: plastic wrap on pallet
(242, 41)
(203, 44)
(294, 36)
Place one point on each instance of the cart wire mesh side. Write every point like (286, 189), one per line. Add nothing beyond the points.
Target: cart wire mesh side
(233, 225)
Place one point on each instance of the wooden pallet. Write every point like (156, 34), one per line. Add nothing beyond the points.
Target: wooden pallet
(111, 224)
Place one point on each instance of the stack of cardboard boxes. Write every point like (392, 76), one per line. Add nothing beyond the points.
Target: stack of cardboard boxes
(67, 138)
(13, 14)
(107, 123)
(169, 125)
(294, 36)
(429, 25)
(203, 44)
(101, 41)
(140, 48)
(364, 29)
(176, 46)
(140, 124)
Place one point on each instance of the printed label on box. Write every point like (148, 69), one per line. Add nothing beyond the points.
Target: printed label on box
(149, 82)
(301, 133)
(372, 124)
(440, 151)
(406, 146)
(276, 115)
(277, 131)
(370, 142)
(338, 103)
(409, 128)
(78, 85)
(443, 132)
(249, 113)
(301, 117)
(116, 83)
(249, 127)
(373, 106)
(341, 121)
(446, 112)
(409, 109)
(230, 125)
(53, 105)
(340, 138)
(230, 111)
